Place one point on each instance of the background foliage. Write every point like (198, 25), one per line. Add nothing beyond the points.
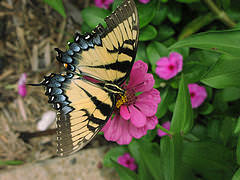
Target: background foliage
(204, 142)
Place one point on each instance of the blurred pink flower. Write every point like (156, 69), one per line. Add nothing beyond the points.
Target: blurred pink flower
(134, 116)
(103, 3)
(168, 67)
(166, 125)
(144, 1)
(22, 90)
(127, 161)
(198, 94)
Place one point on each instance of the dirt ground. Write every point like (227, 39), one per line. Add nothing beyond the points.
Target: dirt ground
(29, 32)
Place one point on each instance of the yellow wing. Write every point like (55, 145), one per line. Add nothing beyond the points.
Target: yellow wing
(107, 53)
(83, 109)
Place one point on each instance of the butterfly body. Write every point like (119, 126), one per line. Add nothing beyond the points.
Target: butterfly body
(97, 64)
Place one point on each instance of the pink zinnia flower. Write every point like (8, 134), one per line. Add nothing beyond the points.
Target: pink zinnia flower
(103, 3)
(134, 115)
(166, 125)
(127, 161)
(198, 94)
(144, 1)
(22, 90)
(168, 67)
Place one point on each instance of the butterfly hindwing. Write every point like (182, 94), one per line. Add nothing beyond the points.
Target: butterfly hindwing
(107, 53)
(83, 108)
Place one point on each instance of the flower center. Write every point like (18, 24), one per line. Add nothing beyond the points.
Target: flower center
(192, 94)
(171, 67)
(128, 162)
(128, 98)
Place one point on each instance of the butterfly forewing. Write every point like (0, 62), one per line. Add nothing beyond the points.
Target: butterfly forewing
(106, 55)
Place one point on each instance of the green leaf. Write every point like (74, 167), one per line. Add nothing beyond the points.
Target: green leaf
(116, 3)
(85, 27)
(158, 81)
(183, 51)
(196, 24)
(226, 130)
(123, 172)
(167, 97)
(236, 175)
(193, 71)
(174, 13)
(224, 73)
(206, 109)
(135, 148)
(155, 50)
(146, 12)
(187, 1)
(93, 16)
(210, 160)
(150, 156)
(231, 94)
(113, 154)
(165, 32)
(141, 52)
(219, 41)
(57, 5)
(143, 172)
(10, 163)
(182, 120)
(171, 157)
(237, 128)
(206, 58)
(147, 33)
(160, 15)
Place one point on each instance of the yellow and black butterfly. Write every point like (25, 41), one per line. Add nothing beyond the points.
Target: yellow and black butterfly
(97, 64)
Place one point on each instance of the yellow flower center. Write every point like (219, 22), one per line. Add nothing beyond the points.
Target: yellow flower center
(121, 100)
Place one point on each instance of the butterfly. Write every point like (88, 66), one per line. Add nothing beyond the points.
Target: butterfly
(97, 64)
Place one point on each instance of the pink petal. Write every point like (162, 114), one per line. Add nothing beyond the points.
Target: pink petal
(114, 130)
(138, 71)
(148, 108)
(166, 125)
(127, 161)
(123, 159)
(22, 80)
(200, 94)
(135, 78)
(137, 132)
(132, 166)
(153, 95)
(103, 3)
(151, 122)
(22, 90)
(144, 1)
(164, 73)
(148, 83)
(167, 68)
(137, 117)
(161, 133)
(162, 62)
(124, 112)
(107, 125)
(177, 59)
(141, 66)
(125, 137)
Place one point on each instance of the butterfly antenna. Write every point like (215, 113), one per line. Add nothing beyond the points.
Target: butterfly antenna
(40, 84)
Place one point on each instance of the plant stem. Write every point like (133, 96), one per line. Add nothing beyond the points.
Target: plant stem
(220, 14)
(164, 130)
